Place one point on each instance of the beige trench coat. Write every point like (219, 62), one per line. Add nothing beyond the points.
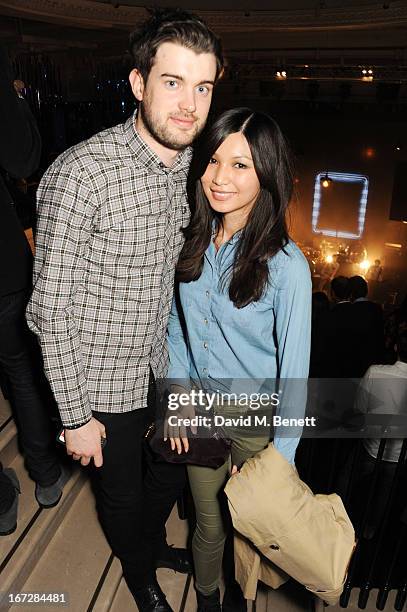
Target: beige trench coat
(284, 530)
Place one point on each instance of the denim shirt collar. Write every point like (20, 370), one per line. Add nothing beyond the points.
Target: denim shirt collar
(233, 240)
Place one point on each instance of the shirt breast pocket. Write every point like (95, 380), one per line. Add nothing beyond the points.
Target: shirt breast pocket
(134, 243)
(256, 317)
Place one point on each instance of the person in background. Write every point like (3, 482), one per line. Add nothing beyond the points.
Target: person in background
(375, 278)
(110, 214)
(375, 272)
(17, 186)
(19, 87)
(245, 296)
(320, 312)
(382, 391)
(368, 325)
(20, 359)
(340, 291)
(395, 323)
(336, 334)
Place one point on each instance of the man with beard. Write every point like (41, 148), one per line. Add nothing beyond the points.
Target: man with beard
(110, 214)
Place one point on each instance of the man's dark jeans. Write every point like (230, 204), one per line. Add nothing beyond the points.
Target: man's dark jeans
(134, 494)
(31, 399)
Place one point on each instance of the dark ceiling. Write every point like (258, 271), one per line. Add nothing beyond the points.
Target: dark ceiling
(252, 5)
(335, 38)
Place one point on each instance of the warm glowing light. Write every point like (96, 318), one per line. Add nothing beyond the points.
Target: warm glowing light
(365, 264)
(325, 181)
(329, 259)
(367, 74)
(370, 152)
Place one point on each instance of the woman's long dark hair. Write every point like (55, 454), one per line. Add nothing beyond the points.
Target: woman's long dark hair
(265, 232)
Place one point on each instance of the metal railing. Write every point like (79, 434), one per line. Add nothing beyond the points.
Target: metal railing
(374, 493)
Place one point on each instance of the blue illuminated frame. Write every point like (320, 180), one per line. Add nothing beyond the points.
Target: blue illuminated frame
(341, 177)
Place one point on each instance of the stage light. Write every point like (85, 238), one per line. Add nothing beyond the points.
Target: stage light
(367, 74)
(326, 181)
(284, 74)
(341, 177)
(329, 259)
(365, 264)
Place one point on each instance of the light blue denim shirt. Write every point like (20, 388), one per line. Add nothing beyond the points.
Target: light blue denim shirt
(267, 339)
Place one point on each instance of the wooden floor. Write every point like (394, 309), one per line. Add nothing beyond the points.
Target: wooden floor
(63, 550)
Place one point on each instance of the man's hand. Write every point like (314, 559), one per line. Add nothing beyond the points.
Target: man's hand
(84, 443)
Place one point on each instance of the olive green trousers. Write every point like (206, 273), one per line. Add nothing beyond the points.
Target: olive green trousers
(212, 514)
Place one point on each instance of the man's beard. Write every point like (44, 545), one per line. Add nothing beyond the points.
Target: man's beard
(162, 134)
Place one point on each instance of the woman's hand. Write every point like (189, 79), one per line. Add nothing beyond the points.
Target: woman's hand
(176, 423)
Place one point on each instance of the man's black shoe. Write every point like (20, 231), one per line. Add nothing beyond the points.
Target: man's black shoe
(150, 598)
(8, 519)
(177, 559)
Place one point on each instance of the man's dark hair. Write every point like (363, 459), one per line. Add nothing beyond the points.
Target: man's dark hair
(176, 26)
(340, 287)
(358, 287)
(320, 301)
(402, 345)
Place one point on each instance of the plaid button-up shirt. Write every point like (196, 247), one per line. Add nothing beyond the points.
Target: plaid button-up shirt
(108, 239)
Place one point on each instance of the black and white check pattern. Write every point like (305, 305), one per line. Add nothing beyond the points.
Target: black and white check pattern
(108, 238)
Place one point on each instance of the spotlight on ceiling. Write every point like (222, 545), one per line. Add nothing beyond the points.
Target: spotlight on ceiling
(326, 181)
(367, 74)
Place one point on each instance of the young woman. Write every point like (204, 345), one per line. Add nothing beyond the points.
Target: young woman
(245, 298)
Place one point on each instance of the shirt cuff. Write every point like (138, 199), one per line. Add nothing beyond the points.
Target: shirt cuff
(287, 447)
(77, 425)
